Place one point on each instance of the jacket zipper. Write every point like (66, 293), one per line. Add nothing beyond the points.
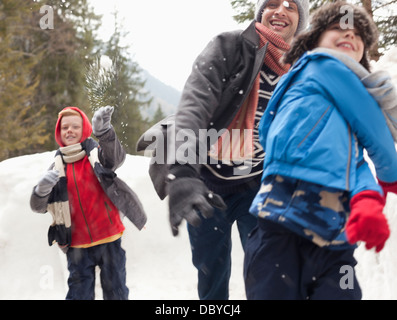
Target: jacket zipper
(319, 120)
(108, 209)
(81, 206)
(349, 158)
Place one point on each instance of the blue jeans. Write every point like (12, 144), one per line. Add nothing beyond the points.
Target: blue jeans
(211, 244)
(110, 257)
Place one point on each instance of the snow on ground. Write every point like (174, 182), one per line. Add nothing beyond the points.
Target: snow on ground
(377, 272)
(158, 265)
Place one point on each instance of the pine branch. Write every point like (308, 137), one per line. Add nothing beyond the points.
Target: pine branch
(384, 5)
(99, 78)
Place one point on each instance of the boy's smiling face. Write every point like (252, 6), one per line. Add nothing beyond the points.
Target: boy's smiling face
(71, 129)
(348, 41)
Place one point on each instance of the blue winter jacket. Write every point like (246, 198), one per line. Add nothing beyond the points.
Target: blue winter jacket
(325, 117)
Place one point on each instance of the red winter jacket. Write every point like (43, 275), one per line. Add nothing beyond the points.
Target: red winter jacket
(94, 216)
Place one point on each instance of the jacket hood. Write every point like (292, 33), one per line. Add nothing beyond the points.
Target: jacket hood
(87, 127)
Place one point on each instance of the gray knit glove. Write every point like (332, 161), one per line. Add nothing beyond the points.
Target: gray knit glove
(101, 120)
(187, 198)
(46, 183)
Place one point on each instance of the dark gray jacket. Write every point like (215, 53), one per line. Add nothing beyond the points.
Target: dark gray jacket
(220, 81)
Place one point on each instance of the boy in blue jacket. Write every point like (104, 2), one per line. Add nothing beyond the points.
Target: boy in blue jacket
(318, 196)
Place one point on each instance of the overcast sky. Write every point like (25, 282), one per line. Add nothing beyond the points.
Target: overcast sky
(166, 36)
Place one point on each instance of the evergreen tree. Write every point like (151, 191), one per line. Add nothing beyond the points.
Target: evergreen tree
(68, 47)
(43, 59)
(20, 123)
(158, 115)
(384, 13)
(120, 86)
(245, 10)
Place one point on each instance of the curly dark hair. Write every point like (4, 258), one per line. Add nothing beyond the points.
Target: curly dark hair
(324, 17)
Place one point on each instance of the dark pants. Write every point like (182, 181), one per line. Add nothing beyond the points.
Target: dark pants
(282, 265)
(211, 244)
(110, 258)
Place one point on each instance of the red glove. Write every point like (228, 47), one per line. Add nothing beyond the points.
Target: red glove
(367, 222)
(388, 187)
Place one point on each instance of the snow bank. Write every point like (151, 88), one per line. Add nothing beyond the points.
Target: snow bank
(158, 264)
(377, 273)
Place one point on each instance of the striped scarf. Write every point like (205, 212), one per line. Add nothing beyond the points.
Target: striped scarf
(58, 203)
(236, 143)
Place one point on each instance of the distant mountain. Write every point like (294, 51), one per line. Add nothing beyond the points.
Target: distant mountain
(163, 95)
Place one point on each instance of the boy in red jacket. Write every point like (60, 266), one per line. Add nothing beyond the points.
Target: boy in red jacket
(85, 198)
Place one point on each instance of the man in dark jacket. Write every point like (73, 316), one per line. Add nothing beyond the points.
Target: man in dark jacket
(223, 101)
